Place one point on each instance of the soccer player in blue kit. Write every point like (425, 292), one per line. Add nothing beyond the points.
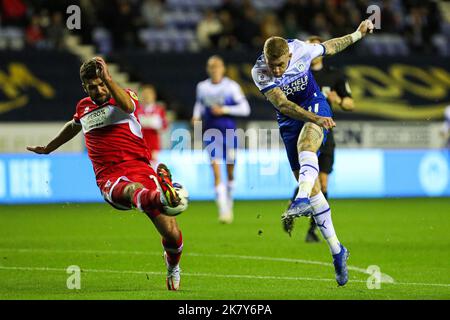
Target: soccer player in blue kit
(218, 101)
(282, 73)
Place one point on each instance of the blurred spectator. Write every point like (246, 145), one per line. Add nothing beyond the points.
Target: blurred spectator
(271, 26)
(57, 31)
(234, 23)
(421, 23)
(152, 116)
(13, 13)
(227, 38)
(208, 30)
(290, 26)
(152, 12)
(249, 33)
(390, 17)
(320, 26)
(34, 33)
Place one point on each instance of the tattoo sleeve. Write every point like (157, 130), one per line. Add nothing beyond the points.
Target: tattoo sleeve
(311, 137)
(279, 100)
(336, 45)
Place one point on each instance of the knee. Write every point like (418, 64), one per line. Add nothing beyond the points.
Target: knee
(305, 145)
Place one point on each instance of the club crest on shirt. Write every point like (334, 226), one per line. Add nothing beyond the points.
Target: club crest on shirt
(300, 66)
(133, 95)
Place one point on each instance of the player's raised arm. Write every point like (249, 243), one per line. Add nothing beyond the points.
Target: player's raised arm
(120, 95)
(279, 100)
(336, 45)
(70, 130)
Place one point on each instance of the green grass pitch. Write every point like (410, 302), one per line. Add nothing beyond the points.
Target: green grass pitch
(120, 254)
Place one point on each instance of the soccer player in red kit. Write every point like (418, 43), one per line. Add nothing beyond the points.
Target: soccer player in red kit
(121, 159)
(152, 116)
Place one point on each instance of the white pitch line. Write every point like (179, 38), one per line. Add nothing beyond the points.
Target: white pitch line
(385, 278)
(211, 275)
(241, 276)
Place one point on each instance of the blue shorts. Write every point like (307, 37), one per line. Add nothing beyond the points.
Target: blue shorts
(290, 128)
(219, 145)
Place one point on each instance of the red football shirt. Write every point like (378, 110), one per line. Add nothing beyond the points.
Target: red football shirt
(112, 136)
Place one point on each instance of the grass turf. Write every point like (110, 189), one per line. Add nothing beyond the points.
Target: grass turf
(120, 252)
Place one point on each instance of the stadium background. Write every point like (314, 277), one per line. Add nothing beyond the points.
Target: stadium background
(389, 149)
(400, 81)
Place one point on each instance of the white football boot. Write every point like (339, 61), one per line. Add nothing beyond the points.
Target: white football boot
(173, 275)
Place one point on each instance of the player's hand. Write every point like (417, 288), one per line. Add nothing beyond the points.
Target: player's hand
(217, 110)
(194, 120)
(333, 97)
(38, 149)
(325, 122)
(102, 69)
(366, 26)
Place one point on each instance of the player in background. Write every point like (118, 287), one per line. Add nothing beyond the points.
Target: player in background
(445, 131)
(218, 101)
(283, 75)
(152, 116)
(334, 86)
(121, 160)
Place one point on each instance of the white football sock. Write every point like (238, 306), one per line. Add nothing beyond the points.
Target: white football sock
(322, 216)
(309, 171)
(230, 190)
(221, 198)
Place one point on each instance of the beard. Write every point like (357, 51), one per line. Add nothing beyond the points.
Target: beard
(102, 99)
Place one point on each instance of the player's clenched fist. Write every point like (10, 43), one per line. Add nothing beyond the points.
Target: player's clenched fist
(325, 122)
(366, 26)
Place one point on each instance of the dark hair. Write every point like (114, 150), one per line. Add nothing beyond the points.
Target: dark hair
(88, 70)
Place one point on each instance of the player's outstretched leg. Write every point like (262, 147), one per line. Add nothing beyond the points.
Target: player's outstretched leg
(322, 216)
(159, 196)
(172, 241)
(311, 235)
(309, 142)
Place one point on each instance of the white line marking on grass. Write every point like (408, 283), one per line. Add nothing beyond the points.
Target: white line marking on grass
(385, 278)
(212, 275)
(239, 276)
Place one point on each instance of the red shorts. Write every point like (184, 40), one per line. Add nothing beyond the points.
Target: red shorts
(116, 180)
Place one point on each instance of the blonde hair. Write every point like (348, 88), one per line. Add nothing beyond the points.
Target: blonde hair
(275, 47)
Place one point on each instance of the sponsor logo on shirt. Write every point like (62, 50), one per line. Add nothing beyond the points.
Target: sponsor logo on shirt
(295, 86)
(96, 119)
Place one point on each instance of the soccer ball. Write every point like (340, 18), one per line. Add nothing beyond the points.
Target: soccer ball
(182, 192)
(184, 196)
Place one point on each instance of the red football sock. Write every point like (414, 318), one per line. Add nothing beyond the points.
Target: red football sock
(146, 200)
(173, 250)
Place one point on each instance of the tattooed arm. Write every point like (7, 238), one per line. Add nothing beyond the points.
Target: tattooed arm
(336, 45)
(279, 100)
